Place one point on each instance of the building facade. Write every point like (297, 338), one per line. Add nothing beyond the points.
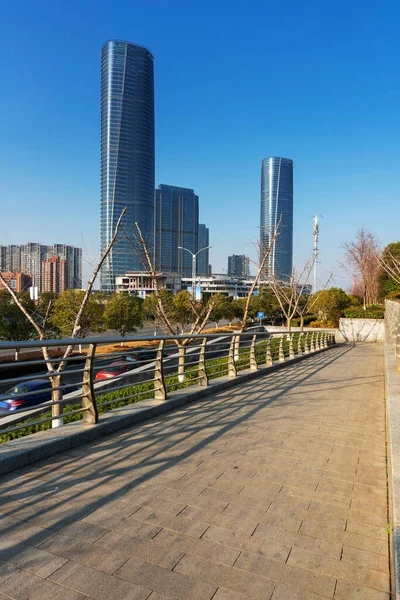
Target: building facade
(203, 259)
(29, 258)
(238, 265)
(19, 282)
(142, 283)
(277, 204)
(54, 274)
(127, 153)
(176, 224)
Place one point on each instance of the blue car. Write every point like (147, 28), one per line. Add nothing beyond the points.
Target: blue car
(14, 399)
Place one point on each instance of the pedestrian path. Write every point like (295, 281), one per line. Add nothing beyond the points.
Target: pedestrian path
(275, 489)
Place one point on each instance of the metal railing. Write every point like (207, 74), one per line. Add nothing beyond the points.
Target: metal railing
(89, 383)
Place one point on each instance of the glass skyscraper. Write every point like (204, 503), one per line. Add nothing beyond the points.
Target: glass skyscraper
(127, 153)
(203, 259)
(177, 224)
(276, 203)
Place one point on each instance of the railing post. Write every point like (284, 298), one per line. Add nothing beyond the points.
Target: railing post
(89, 405)
(312, 346)
(291, 349)
(203, 379)
(306, 344)
(160, 392)
(281, 349)
(231, 358)
(268, 355)
(253, 359)
(299, 348)
(317, 342)
(56, 396)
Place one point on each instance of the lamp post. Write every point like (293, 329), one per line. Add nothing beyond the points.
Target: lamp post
(33, 289)
(194, 256)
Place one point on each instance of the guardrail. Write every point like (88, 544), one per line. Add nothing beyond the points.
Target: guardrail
(74, 392)
(392, 319)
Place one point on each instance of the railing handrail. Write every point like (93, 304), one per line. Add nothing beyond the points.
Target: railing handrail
(61, 342)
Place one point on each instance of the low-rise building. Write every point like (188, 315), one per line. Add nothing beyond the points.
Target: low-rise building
(19, 282)
(142, 284)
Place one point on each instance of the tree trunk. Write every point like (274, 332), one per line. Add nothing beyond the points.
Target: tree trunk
(181, 364)
(288, 323)
(56, 396)
(16, 355)
(301, 322)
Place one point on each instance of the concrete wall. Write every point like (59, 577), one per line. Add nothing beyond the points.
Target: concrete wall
(361, 330)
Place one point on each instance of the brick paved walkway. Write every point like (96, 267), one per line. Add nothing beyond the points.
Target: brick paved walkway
(276, 489)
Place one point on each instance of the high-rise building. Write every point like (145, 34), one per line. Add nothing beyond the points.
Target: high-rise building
(19, 282)
(54, 274)
(176, 224)
(29, 258)
(276, 204)
(238, 265)
(203, 258)
(127, 153)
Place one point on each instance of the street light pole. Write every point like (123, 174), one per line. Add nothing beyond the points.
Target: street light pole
(194, 256)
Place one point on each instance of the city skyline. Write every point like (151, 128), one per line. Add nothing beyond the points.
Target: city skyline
(216, 118)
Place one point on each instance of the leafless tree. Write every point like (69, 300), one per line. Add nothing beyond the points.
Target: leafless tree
(390, 264)
(362, 260)
(201, 312)
(40, 328)
(289, 294)
(264, 254)
(311, 300)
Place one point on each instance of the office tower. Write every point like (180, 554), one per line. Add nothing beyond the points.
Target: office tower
(54, 274)
(238, 265)
(127, 154)
(29, 258)
(176, 224)
(277, 203)
(203, 258)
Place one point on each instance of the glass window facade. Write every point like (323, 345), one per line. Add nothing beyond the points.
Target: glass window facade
(127, 153)
(177, 224)
(203, 259)
(277, 202)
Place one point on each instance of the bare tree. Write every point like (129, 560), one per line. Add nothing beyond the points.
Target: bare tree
(40, 328)
(289, 294)
(264, 254)
(201, 312)
(306, 307)
(362, 260)
(390, 264)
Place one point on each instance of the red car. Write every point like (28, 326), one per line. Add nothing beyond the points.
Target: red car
(115, 369)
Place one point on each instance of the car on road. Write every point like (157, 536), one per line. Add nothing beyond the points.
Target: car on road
(39, 391)
(115, 368)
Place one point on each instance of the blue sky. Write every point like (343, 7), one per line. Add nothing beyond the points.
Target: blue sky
(236, 82)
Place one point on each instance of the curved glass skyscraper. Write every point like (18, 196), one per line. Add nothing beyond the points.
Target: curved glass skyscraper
(276, 203)
(127, 153)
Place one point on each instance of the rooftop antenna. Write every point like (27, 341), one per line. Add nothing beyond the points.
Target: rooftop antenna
(316, 219)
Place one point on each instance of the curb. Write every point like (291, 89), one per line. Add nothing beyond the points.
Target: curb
(32, 448)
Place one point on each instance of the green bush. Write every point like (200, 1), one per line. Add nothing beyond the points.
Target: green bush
(374, 311)
(307, 320)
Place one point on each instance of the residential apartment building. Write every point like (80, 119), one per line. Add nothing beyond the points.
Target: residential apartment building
(238, 266)
(54, 275)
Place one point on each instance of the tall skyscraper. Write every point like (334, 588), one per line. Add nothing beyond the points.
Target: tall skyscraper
(276, 203)
(177, 224)
(238, 265)
(127, 153)
(203, 259)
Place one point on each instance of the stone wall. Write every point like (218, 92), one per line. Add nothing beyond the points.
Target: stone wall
(361, 330)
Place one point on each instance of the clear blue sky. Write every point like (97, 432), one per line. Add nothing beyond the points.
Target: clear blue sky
(236, 82)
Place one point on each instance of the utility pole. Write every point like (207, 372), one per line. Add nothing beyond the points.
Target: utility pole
(316, 219)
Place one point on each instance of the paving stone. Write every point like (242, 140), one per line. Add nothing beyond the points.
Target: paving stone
(350, 591)
(287, 573)
(244, 583)
(149, 551)
(284, 592)
(179, 523)
(27, 557)
(172, 583)
(367, 559)
(95, 584)
(85, 553)
(25, 586)
(345, 537)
